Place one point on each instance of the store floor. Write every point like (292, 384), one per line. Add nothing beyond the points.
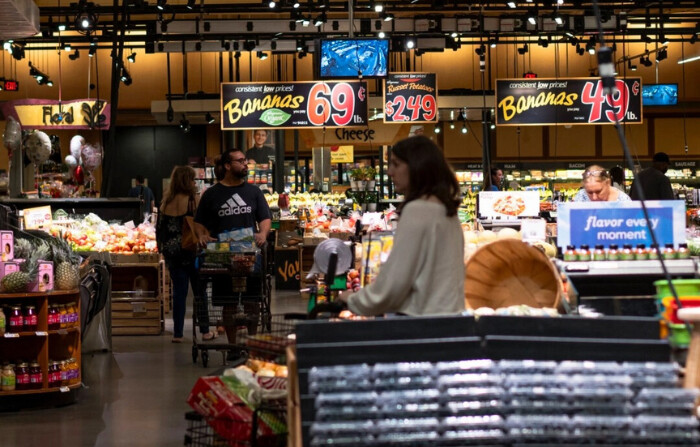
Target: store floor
(133, 396)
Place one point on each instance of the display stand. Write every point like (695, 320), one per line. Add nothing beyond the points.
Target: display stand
(137, 305)
(320, 343)
(42, 345)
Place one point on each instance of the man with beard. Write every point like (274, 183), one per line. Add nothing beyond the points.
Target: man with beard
(232, 204)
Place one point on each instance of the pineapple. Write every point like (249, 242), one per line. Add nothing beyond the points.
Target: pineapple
(23, 248)
(67, 265)
(18, 281)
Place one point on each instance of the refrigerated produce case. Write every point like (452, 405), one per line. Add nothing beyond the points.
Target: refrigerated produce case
(457, 338)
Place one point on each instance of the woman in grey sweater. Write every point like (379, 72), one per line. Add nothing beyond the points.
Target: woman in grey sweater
(424, 274)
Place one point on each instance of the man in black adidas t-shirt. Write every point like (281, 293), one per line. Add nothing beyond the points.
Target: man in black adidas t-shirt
(232, 203)
(228, 205)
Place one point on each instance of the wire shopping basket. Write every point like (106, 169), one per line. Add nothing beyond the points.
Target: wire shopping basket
(272, 343)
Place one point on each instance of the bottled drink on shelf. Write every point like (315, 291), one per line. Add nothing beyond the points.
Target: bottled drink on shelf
(73, 371)
(53, 318)
(30, 319)
(22, 380)
(16, 320)
(54, 374)
(7, 378)
(36, 377)
(62, 316)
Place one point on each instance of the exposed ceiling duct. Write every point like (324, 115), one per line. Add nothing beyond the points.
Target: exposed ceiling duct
(19, 19)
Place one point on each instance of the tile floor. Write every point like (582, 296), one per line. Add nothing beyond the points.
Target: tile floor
(134, 396)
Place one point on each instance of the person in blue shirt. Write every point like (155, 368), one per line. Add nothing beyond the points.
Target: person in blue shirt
(143, 192)
(496, 180)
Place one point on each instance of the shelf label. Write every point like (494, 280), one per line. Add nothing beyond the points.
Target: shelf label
(533, 230)
(41, 333)
(605, 223)
(64, 389)
(11, 335)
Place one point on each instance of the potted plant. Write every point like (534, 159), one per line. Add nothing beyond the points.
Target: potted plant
(370, 177)
(371, 200)
(356, 176)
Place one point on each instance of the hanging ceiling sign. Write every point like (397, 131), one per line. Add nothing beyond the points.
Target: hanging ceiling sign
(373, 135)
(51, 114)
(293, 105)
(410, 97)
(342, 154)
(566, 101)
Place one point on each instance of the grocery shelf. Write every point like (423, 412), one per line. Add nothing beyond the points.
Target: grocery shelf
(685, 267)
(54, 293)
(41, 390)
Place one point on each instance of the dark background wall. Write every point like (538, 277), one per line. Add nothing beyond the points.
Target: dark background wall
(151, 152)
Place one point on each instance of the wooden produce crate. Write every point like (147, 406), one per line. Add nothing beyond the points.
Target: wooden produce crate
(165, 287)
(137, 305)
(135, 313)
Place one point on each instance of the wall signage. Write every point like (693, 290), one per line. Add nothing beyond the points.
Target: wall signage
(374, 135)
(50, 114)
(410, 97)
(684, 164)
(620, 223)
(289, 105)
(565, 101)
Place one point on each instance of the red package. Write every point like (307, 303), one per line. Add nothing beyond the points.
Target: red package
(225, 411)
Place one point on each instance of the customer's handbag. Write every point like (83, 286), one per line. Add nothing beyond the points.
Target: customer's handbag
(190, 242)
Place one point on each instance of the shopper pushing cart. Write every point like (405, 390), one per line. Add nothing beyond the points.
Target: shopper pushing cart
(233, 204)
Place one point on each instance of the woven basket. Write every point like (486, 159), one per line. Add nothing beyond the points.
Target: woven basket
(509, 272)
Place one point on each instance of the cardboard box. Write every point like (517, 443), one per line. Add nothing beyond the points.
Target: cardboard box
(7, 242)
(44, 278)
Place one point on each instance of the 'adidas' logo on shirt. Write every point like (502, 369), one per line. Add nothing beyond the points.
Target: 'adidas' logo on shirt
(234, 206)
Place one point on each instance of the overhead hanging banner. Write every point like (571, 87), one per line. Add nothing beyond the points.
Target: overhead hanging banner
(374, 135)
(566, 101)
(50, 114)
(293, 105)
(410, 97)
(605, 223)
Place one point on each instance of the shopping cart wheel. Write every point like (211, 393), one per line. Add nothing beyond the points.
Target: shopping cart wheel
(205, 358)
(195, 354)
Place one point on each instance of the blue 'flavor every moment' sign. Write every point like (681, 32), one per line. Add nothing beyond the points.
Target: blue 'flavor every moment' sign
(606, 223)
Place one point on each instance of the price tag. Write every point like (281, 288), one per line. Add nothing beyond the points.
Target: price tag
(9, 335)
(410, 97)
(41, 333)
(533, 230)
(64, 389)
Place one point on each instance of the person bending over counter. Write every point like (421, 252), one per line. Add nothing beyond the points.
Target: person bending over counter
(598, 188)
(424, 274)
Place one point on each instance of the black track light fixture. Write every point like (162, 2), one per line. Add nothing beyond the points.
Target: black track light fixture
(161, 4)
(75, 55)
(661, 55)
(262, 55)
(190, 4)
(92, 51)
(185, 124)
(131, 58)
(209, 118)
(631, 67)
(125, 76)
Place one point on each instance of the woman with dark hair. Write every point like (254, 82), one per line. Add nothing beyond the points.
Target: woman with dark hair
(495, 180)
(179, 200)
(424, 274)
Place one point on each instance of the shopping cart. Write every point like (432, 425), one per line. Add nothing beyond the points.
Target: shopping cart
(239, 431)
(270, 344)
(233, 292)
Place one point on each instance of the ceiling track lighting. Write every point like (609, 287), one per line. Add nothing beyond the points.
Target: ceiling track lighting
(209, 118)
(190, 4)
(41, 78)
(378, 7)
(410, 43)
(464, 127)
(85, 21)
(185, 124)
(262, 55)
(387, 17)
(437, 129)
(160, 4)
(295, 4)
(75, 55)
(523, 50)
(320, 20)
(381, 35)
(125, 76)
(511, 5)
(631, 67)
(92, 51)
(272, 4)
(132, 58)
(661, 55)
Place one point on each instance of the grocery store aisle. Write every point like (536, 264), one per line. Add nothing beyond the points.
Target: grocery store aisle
(134, 396)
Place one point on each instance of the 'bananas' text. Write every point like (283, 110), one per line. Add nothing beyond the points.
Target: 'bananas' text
(510, 107)
(236, 111)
